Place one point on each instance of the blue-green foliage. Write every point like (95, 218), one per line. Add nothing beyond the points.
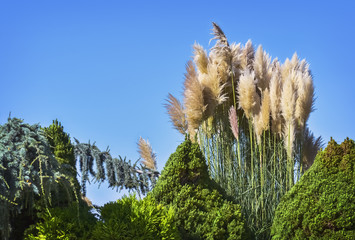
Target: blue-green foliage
(322, 204)
(201, 206)
(119, 173)
(63, 223)
(28, 170)
(130, 218)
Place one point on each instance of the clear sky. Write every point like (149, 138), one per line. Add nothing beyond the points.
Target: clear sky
(105, 68)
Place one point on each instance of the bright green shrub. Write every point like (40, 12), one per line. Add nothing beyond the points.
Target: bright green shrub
(130, 218)
(201, 206)
(322, 204)
(63, 150)
(63, 223)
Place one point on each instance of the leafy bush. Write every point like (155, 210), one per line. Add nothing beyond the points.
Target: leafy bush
(322, 204)
(130, 218)
(202, 208)
(63, 223)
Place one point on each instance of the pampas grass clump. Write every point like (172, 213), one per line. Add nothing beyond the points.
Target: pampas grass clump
(249, 113)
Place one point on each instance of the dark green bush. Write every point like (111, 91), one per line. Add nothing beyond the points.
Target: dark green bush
(130, 218)
(63, 223)
(322, 204)
(201, 206)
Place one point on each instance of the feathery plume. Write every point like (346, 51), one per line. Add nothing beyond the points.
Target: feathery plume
(261, 68)
(236, 54)
(289, 66)
(305, 99)
(288, 102)
(275, 94)
(233, 121)
(193, 98)
(261, 120)
(146, 152)
(249, 100)
(219, 35)
(213, 88)
(200, 58)
(265, 110)
(248, 56)
(177, 114)
(288, 97)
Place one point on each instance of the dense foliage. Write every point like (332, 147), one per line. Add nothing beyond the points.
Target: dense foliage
(29, 172)
(63, 150)
(130, 218)
(202, 210)
(63, 223)
(322, 204)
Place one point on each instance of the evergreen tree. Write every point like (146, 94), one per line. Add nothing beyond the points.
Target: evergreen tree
(203, 209)
(29, 172)
(63, 150)
(322, 204)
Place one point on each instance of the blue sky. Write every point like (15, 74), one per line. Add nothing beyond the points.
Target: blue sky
(104, 68)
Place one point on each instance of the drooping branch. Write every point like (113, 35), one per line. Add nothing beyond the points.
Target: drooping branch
(120, 173)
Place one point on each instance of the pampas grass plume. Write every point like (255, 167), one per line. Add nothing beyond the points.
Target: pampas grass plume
(248, 98)
(193, 98)
(275, 101)
(261, 68)
(233, 121)
(200, 58)
(177, 114)
(146, 153)
(248, 56)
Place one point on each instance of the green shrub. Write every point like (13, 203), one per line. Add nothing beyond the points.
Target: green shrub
(322, 204)
(202, 208)
(130, 218)
(63, 223)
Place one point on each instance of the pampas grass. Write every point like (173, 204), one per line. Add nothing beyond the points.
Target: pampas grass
(177, 114)
(193, 99)
(200, 58)
(146, 153)
(249, 100)
(261, 67)
(247, 58)
(248, 114)
(233, 120)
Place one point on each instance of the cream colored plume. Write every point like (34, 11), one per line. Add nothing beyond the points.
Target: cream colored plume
(275, 98)
(193, 98)
(261, 120)
(236, 54)
(213, 87)
(288, 97)
(146, 153)
(305, 100)
(177, 114)
(261, 67)
(249, 100)
(247, 56)
(288, 105)
(200, 58)
(290, 66)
